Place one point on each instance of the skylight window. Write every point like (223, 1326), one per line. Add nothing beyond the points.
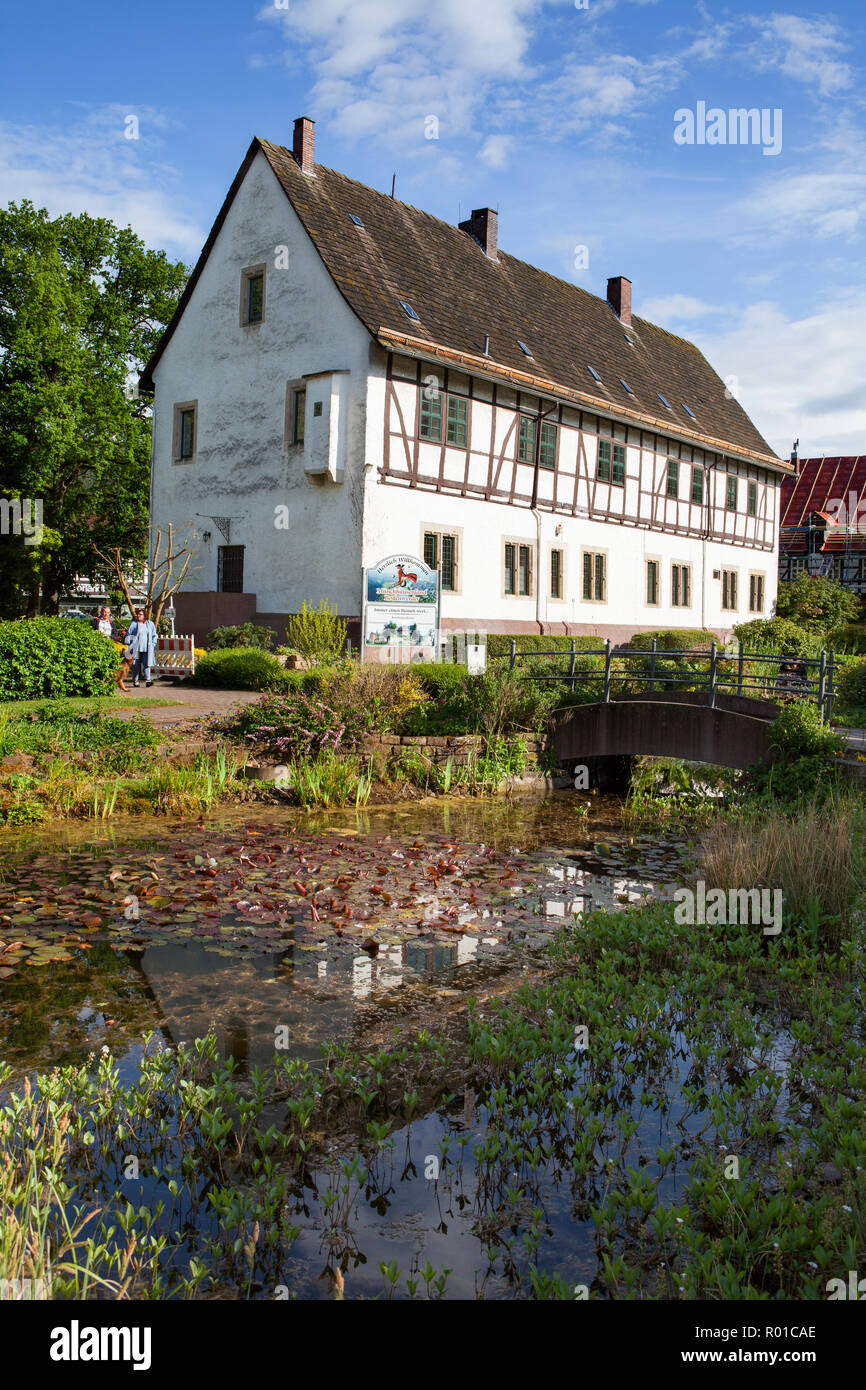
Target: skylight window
(356, 219)
(689, 412)
(664, 400)
(408, 310)
(593, 373)
(629, 340)
(623, 382)
(524, 348)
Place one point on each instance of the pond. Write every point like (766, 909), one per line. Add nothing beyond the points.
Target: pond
(256, 922)
(282, 933)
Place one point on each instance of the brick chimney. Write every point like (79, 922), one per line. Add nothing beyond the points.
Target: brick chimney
(483, 227)
(619, 298)
(304, 144)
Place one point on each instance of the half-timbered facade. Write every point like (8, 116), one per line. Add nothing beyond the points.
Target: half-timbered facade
(348, 377)
(823, 521)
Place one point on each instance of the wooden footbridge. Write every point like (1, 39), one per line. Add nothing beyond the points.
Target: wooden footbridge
(707, 706)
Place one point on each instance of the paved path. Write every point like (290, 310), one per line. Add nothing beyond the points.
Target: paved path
(193, 702)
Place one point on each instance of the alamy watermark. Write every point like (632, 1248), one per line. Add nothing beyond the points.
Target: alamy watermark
(22, 516)
(738, 126)
(718, 908)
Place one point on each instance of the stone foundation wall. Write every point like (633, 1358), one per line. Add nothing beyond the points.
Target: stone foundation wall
(460, 747)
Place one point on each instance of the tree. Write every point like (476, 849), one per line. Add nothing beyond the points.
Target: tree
(816, 603)
(165, 576)
(82, 305)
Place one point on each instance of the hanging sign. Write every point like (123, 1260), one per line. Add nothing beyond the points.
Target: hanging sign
(401, 608)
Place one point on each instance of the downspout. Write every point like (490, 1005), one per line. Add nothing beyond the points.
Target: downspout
(533, 506)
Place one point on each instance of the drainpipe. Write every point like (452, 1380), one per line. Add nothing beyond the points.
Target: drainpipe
(542, 415)
(540, 606)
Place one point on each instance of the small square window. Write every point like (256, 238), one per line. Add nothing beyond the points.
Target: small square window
(317, 408)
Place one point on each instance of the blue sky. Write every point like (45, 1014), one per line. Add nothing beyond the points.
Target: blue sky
(562, 117)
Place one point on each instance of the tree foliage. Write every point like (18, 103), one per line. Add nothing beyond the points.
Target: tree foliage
(817, 603)
(82, 305)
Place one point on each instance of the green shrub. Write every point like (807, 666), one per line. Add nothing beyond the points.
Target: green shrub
(686, 639)
(244, 635)
(799, 733)
(239, 668)
(499, 643)
(317, 633)
(292, 725)
(53, 657)
(851, 684)
(817, 603)
(59, 728)
(777, 635)
(848, 638)
(309, 682)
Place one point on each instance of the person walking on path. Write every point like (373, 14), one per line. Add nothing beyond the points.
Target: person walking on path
(141, 643)
(105, 624)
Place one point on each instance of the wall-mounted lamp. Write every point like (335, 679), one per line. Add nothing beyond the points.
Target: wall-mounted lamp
(205, 535)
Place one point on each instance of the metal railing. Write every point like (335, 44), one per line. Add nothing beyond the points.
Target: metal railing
(734, 672)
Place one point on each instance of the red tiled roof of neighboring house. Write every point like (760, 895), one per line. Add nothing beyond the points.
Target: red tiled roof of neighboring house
(818, 483)
(461, 296)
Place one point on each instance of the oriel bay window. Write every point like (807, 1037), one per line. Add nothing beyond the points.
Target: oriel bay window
(440, 553)
(518, 570)
(681, 586)
(526, 442)
(611, 463)
(594, 577)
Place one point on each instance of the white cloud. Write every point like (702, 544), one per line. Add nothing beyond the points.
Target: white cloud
(682, 307)
(495, 150)
(819, 204)
(796, 374)
(90, 166)
(807, 50)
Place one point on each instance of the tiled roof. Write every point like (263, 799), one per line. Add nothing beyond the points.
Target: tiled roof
(460, 295)
(818, 482)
